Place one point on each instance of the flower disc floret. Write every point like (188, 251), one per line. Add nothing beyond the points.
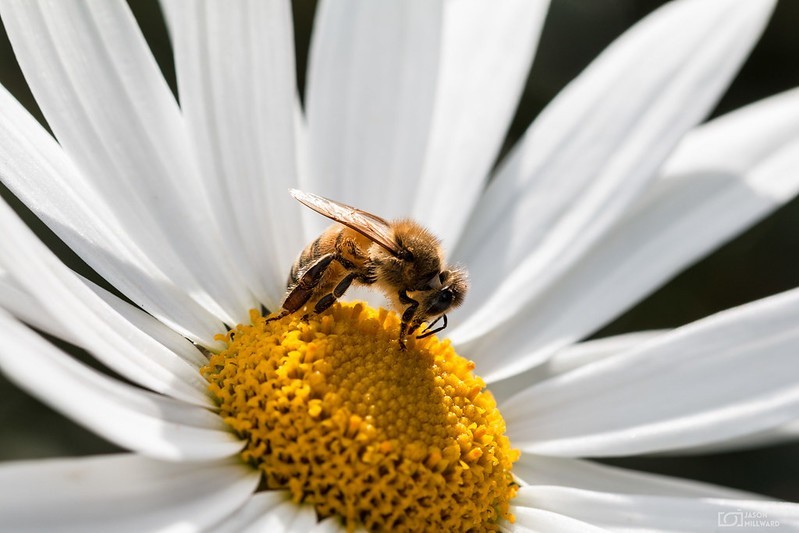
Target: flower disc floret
(332, 410)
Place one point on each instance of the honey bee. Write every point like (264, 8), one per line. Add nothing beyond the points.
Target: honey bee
(401, 258)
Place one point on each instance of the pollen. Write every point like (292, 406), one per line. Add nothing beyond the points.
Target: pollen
(386, 439)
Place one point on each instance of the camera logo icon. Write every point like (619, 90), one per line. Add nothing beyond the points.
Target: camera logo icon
(730, 518)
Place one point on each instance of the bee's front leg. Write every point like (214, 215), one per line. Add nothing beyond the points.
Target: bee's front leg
(408, 324)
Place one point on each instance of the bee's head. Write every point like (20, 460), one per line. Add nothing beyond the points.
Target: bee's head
(449, 290)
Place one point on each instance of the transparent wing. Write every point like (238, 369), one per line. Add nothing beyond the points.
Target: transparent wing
(372, 226)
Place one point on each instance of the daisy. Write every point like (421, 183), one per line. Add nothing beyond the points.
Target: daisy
(184, 211)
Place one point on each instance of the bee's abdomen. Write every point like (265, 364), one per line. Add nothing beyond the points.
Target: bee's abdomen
(309, 254)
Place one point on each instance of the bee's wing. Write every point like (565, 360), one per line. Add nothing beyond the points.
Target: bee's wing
(372, 226)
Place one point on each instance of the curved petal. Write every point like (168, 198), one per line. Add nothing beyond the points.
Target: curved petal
(328, 525)
(486, 51)
(149, 423)
(770, 437)
(258, 505)
(530, 519)
(704, 197)
(569, 358)
(274, 514)
(101, 330)
(121, 493)
(595, 149)
(729, 375)
(28, 309)
(34, 167)
(236, 76)
(625, 512)
(151, 327)
(25, 307)
(372, 74)
(103, 95)
(579, 474)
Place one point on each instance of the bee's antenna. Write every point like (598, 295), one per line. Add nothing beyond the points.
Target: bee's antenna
(428, 331)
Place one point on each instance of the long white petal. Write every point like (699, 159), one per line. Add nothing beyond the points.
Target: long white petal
(151, 424)
(257, 507)
(579, 474)
(569, 358)
(275, 512)
(236, 76)
(287, 517)
(705, 196)
(120, 493)
(532, 520)
(729, 375)
(25, 307)
(625, 512)
(779, 435)
(596, 148)
(103, 95)
(28, 309)
(373, 68)
(151, 327)
(35, 168)
(101, 330)
(329, 525)
(486, 51)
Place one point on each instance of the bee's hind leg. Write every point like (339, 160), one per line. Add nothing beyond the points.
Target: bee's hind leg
(299, 295)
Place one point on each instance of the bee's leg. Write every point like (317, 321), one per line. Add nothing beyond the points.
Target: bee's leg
(302, 291)
(329, 299)
(408, 324)
(430, 331)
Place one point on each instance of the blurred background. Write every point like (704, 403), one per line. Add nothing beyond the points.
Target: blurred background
(760, 262)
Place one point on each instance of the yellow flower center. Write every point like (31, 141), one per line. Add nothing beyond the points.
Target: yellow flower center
(333, 411)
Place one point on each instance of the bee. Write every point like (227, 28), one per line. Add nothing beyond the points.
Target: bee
(401, 258)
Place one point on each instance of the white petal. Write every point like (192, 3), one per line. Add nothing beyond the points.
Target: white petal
(103, 95)
(579, 474)
(128, 416)
(530, 519)
(34, 167)
(486, 52)
(723, 377)
(236, 75)
(596, 148)
(120, 493)
(569, 358)
(259, 505)
(284, 517)
(101, 330)
(704, 197)
(372, 77)
(273, 511)
(151, 327)
(22, 305)
(330, 525)
(624, 512)
(770, 437)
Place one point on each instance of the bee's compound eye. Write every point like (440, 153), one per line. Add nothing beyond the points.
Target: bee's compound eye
(405, 254)
(442, 302)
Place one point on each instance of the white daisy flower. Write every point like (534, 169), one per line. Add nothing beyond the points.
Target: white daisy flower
(183, 209)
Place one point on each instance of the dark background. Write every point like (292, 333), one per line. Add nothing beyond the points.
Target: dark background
(760, 262)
